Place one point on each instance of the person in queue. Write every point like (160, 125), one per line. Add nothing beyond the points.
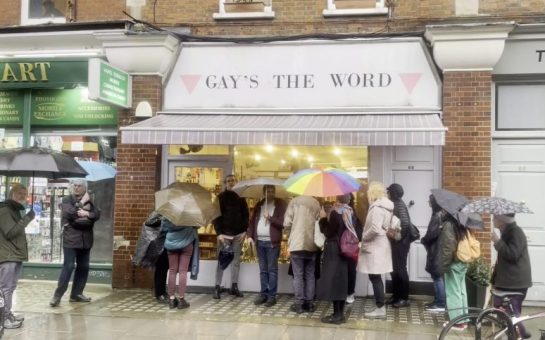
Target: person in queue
(512, 271)
(333, 282)
(400, 250)
(299, 223)
(231, 229)
(78, 218)
(376, 254)
(265, 230)
(13, 248)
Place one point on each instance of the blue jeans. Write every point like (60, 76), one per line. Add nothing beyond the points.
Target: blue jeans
(439, 287)
(78, 259)
(267, 255)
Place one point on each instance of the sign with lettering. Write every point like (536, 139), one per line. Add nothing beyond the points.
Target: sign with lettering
(55, 108)
(42, 74)
(109, 84)
(11, 108)
(353, 74)
(523, 56)
(69, 107)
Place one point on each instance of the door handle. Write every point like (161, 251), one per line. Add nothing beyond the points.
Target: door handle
(411, 203)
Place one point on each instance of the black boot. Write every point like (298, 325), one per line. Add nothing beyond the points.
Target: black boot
(235, 291)
(217, 292)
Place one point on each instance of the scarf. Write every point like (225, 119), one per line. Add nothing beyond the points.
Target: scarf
(347, 214)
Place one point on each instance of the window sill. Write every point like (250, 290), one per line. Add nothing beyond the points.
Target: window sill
(243, 15)
(354, 12)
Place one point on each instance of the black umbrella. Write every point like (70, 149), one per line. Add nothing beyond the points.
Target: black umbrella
(39, 162)
(453, 202)
(226, 255)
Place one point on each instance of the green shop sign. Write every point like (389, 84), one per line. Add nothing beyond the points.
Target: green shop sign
(26, 74)
(56, 108)
(11, 108)
(109, 84)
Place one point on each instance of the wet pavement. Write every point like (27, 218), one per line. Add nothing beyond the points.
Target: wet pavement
(134, 314)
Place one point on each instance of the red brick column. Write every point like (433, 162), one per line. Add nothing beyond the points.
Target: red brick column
(468, 149)
(138, 177)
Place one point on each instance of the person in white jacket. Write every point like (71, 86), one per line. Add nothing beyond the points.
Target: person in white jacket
(299, 223)
(375, 254)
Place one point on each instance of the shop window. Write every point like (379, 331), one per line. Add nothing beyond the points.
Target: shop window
(244, 9)
(43, 11)
(520, 106)
(355, 7)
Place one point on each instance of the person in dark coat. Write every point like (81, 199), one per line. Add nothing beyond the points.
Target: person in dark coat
(431, 243)
(13, 248)
(265, 230)
(79, 215)
(231, 229)
(400, 249)
(512, 271)
(352, 266)
(333, 282)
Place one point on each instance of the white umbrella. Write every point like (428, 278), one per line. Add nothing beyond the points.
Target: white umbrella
(254, 187)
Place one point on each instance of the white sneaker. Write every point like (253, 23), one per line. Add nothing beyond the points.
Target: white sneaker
(350, 299)
(378, 313)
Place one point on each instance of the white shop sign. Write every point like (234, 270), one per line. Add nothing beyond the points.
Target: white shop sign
(374, 74)
(522, 57)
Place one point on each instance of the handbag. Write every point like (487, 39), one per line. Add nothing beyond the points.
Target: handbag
(414, 233)
(319, 237)
(394, 229)
(349, 245)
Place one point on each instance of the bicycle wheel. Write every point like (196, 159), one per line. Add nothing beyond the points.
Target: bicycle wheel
(502, 329)
(490, 328)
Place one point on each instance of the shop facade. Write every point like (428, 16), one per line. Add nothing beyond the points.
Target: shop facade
(354, 96)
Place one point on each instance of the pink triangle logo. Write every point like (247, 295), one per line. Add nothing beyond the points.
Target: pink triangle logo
(190, 81)
(410, 80)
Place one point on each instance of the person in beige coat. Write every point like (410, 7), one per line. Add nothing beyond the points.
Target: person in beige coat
(375, 254)
(299, 222)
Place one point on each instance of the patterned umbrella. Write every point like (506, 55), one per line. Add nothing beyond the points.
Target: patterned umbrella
(496, 206)
(321, 183)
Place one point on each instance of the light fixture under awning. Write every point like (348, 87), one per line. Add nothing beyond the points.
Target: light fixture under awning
(343, 129)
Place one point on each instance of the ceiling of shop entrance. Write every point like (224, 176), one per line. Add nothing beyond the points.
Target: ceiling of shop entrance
(281, 161)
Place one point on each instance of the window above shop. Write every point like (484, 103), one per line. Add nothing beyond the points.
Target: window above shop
(244, 9)
(34, 12)
(355, 8)
(520, 107)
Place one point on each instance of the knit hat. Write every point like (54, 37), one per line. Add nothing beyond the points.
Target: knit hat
(396, 191)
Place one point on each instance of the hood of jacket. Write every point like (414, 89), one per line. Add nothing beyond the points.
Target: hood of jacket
(384, 202)
(12, 205)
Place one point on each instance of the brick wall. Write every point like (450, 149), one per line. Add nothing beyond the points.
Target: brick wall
(467, 151)
(138, 176)
(10, 12)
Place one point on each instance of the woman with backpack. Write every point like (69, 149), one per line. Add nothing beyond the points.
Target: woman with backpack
(376, 254)
(333, 282)
(454, 270)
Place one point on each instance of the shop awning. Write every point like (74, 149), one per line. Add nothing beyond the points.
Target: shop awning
(348, 129)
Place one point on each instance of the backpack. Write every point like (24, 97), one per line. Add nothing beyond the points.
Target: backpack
(349, 245)
(469, 249)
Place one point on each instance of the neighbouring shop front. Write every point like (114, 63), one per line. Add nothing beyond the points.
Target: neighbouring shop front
(518, 137)
(45, 103)
(370, 107)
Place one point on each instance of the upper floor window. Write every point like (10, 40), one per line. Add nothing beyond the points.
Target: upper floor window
(244, 9)
(43, 11)
(355, 7)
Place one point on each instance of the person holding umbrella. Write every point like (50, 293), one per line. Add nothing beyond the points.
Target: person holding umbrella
(13, 248)
(79, 215)
(231, 229)
(265, 229)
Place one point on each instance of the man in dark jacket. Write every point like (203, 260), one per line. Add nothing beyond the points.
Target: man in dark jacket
(512, 271)
(431, 243)
(79, 215)
(231, 229)
(400, 249)
(265, 230)
(13, 248)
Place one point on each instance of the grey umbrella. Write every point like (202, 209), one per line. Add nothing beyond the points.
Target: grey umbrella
(453, 202)
(39, 162)
(496, 206)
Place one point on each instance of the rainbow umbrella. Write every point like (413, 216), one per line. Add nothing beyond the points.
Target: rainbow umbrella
(321, 183)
